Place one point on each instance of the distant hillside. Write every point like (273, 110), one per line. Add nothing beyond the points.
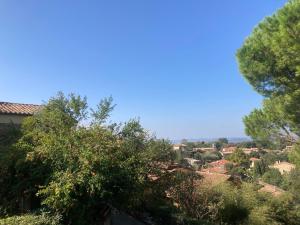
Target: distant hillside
(230, 139)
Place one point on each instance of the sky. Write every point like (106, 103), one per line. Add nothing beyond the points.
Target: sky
(170, 63)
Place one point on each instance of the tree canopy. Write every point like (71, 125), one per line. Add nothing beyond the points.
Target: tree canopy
(269, 58)
(74, 168)
(270, 61)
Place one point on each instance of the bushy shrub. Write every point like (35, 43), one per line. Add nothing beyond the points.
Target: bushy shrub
(31, 219)
(260, 167)
(274, 177)
(76, 170)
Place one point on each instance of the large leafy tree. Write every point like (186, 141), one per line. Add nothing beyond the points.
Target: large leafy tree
(269, 58)
(269, 125)
(75, 168)
(239, 157)
(270, 61)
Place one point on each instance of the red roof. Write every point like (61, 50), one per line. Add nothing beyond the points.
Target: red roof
(17, 108)
(220, 170)
(254, 159)
(221, 162)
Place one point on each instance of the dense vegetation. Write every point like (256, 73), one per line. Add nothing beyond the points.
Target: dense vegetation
(67, 162)
(269, 60)
(73, 169)
(55, 170)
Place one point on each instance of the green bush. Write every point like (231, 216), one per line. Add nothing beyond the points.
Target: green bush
(31, 219)
(273, 176)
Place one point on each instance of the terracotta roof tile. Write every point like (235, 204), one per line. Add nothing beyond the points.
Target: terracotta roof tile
(17, 108)
(274, 190)
(221, 162)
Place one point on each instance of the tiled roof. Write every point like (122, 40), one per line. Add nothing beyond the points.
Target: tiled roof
(274, 190)
(220, 170)
(283, 166)
(229, 149)
(221, 162)
(17, 108)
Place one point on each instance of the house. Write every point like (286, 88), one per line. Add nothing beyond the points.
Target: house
(219, 163)
(283, 167)
(14, 113)
(203, 150)
(252, 161)
(217, 166)
(249, 150)
(273, 190)
(181, 147)
(193, 162)
(228, 151)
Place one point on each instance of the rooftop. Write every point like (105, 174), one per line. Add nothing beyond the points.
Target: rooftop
(254, 159)
(229, 149)
(284, 165)
(273, 190)
(218, 170)
(221, 162)
(18, 108)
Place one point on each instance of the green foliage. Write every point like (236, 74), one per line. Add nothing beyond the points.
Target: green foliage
(229, 166)
(292, 183)
(220, 143)
(271, 157)
(237, 202)
(223, 140)
(32, 219)
(200, 144)
(196, 202)
(239, 172)
(247, 144)
(260, 167)
(19, 179)
(254, 154)
(104, 108)
(269, 60)
(198, 156)
(229, 204)
(207, 156)
(283, 210)
(74, 169)
(210, 156)
(236, 170)
(239, 157)
(269, 126)
(244, 205)
(273, 176)
(280, 210)
(294, 155)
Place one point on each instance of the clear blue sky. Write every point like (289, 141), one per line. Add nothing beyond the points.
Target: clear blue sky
(172, 63)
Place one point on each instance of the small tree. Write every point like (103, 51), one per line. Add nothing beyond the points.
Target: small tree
(76, 169)
(273, 176)
(260, 167)
(239, 157)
